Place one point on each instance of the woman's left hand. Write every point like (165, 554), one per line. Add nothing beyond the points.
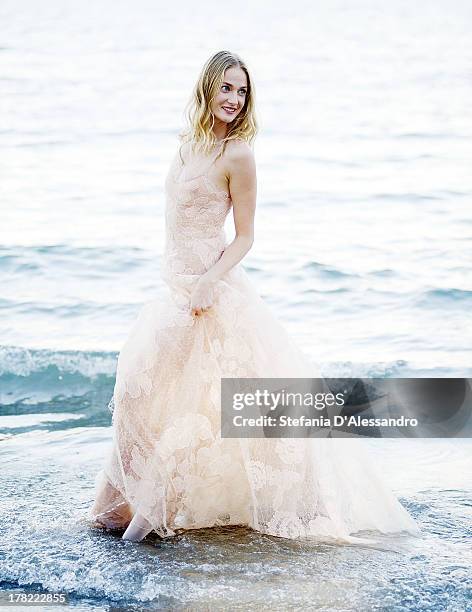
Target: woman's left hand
(202, 296)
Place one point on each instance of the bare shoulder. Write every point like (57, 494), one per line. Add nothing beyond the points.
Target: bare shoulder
(239, 150)
(240, 162)
(241, 174)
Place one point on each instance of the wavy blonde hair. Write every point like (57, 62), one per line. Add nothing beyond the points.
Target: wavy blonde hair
(200, 119)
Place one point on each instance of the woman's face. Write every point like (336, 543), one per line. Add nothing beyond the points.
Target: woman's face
(230, 100)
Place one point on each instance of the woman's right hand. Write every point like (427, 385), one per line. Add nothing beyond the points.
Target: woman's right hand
(202, 297)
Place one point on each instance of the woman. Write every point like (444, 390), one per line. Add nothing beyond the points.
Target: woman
(168, 468)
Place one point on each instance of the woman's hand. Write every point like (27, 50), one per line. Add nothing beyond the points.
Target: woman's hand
(202, 296)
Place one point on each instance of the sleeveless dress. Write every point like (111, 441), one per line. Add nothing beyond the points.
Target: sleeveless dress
(168, 469)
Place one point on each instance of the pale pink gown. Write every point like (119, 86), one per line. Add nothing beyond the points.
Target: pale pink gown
(167, 465)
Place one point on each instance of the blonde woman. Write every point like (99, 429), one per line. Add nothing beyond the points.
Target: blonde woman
(168, 468)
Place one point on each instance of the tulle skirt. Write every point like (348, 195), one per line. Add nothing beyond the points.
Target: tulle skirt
(168, 466)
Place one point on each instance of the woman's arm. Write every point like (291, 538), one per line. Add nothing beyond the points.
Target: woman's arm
(243, 189)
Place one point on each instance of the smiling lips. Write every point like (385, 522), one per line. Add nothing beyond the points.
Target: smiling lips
(229, 110)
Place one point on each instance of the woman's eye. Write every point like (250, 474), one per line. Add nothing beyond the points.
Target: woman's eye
(241, 91)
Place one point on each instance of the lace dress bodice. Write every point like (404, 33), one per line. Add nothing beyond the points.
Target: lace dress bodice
(196, 210)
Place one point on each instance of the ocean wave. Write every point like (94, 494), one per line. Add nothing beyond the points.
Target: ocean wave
(43, 380)
(442, 295)
(17, 258)
(328, 271)
(22, 361)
